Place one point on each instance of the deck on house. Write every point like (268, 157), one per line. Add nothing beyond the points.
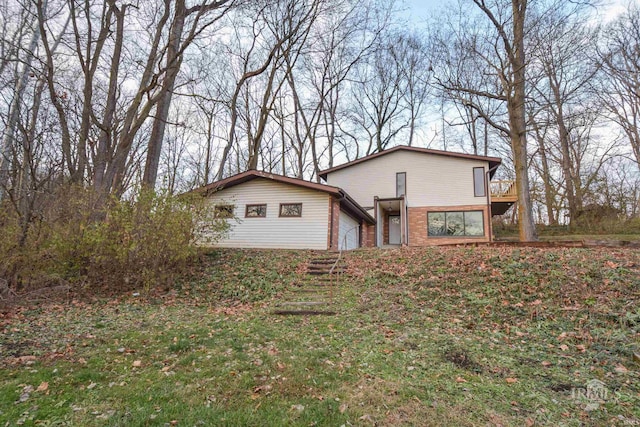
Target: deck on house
(503, 195)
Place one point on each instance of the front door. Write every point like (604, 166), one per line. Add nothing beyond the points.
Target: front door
(394, 229)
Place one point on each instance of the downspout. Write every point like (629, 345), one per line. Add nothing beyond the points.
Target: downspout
(331, 223)
(375, 229)
(488, 191)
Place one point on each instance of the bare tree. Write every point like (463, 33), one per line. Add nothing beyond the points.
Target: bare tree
(500, 47)
(379, 94)
(619, 88)
(415, 64)
(286, 25)
(561, 50)
(196, 19)
(345, 36)
(21, 77)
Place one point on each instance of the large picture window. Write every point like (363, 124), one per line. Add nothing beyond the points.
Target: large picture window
(463, 223)
(290, 209)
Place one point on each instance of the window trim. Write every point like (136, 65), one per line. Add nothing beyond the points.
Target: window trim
(246, 210)
(405, 184)
(289, 216)
(484, 183)
(217, 209)
(463, 236)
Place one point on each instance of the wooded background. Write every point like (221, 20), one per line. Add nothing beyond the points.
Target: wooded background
(117, 95)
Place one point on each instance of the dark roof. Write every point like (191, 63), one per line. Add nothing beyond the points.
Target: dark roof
(346, 201)
(494, 162)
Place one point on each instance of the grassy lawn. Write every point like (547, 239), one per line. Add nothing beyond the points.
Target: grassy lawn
(434, 336)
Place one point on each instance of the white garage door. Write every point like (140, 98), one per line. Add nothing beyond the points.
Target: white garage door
(348, 227)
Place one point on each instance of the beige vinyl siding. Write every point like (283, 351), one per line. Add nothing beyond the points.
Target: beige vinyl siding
(432, 180)
(306, 232)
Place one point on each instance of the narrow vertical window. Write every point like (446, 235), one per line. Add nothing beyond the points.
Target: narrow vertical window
(401, 184)
(479, 187)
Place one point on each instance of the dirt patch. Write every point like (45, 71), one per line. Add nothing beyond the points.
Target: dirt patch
(463, 360)
(16, 349)
(561, 388)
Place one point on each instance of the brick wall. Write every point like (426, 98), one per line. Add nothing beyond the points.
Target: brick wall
(418, 226)
(368, 235)
(385, 228)
(333, 230)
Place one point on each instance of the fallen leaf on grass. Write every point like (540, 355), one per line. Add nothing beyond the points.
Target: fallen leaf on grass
(367, 417)
(25, 359)
(460, 380)
(621, 369)
(546, 363)
(511, 380)
(26, 393)
(44, 386)
(563, 347)
(137, 363)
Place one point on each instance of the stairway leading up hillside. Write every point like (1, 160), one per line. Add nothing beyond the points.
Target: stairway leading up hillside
(314, 294)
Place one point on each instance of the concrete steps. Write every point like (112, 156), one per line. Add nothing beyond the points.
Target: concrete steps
(313, 295)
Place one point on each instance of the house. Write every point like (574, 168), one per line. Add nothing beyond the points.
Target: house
(273, 211)
(420, 196)
(400, 196)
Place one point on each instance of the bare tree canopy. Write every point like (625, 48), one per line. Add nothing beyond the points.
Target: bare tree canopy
(112, 96)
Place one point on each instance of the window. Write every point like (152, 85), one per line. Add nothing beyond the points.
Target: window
(223, 211)
(464, 223)
(401, 184)
(479, 188)
(256, 211)
(290, 209)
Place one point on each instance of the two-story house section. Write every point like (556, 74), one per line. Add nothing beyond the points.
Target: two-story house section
(420, 196)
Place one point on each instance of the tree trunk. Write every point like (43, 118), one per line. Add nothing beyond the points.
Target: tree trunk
(546, 178)
(105, 140)
(517, 119)
(174, 60)
(14, 114)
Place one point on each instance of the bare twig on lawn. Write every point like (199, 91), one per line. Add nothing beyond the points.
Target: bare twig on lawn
(5, 291)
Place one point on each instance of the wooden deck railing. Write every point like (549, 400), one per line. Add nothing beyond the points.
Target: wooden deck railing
(503, 190)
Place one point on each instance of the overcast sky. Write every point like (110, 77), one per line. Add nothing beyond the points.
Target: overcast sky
(420, 10)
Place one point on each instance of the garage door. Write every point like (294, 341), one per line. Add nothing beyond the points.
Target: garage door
(350, 228)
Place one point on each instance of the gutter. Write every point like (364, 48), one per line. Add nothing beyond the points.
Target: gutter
(363, 213)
